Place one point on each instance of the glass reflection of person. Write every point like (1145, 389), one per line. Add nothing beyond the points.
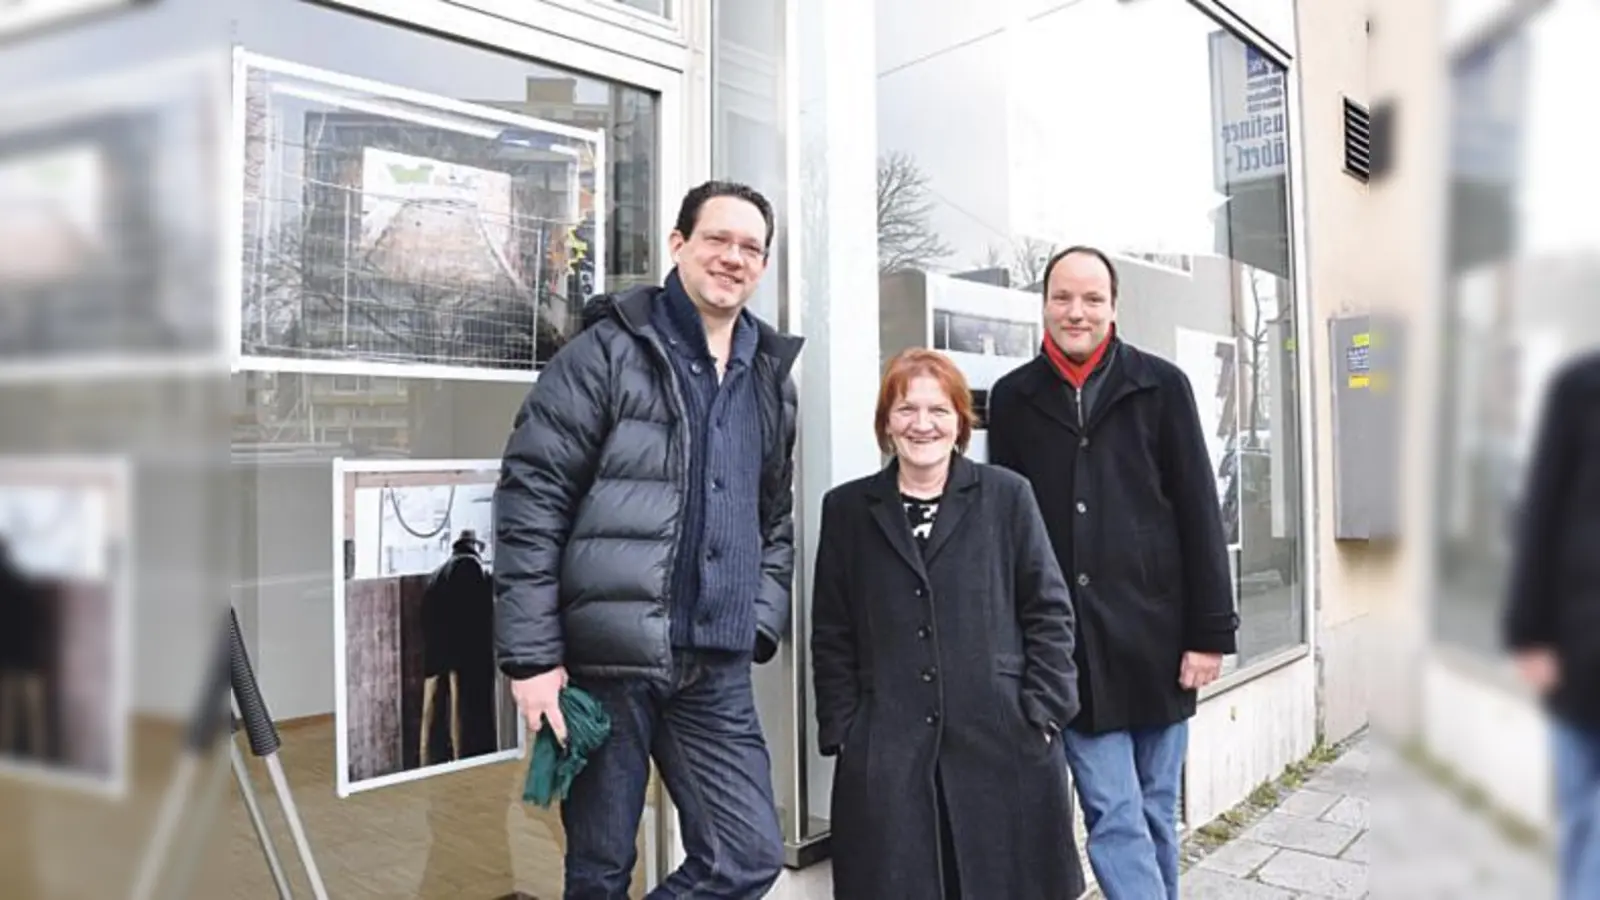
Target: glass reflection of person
(457, 629)
(942, 649)
(1552, 618)
(22, 677)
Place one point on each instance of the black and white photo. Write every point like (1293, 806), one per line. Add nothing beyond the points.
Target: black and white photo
(419, 693)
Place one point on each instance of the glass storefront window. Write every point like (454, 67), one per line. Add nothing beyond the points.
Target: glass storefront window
(1003, 137)
(419, 239)
(1524, 265)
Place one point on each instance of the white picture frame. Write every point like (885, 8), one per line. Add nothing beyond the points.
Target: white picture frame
(383, 101)
(355, 558)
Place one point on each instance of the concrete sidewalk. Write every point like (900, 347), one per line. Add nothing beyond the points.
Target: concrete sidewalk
(1364, 825)
(1321, 841)
(1316, 843)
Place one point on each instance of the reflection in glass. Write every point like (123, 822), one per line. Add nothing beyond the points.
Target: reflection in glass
(108, 246)
(378, 230)
(988, 335)
(1184, 180)
(1524, 269)
(416, 390)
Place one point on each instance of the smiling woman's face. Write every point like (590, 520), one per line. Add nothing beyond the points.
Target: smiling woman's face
(923, 425)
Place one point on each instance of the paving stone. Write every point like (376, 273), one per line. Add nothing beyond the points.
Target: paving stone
(1238, 857)
(1358, 758)
(1351, 811)
(1312, 874)
(1199, 884)
(1360, 851)
(1334, 780)
(1309, 804)
(1298, 833)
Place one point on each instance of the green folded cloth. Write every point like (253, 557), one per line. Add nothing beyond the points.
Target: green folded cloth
(553, 767)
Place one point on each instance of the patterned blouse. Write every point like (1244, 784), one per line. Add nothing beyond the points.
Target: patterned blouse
(920, 514)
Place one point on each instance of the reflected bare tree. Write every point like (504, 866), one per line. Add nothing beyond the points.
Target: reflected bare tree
(441, 283)
(1023, 259)
(906, 239)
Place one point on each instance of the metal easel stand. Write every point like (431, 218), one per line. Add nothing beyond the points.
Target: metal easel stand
(231, 667)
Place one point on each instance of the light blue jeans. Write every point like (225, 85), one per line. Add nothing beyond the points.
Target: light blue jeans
(1577, 771)
(1128, 786)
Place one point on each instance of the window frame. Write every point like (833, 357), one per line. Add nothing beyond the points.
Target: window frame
(605, 27)
(1306, 347)
(451, 22)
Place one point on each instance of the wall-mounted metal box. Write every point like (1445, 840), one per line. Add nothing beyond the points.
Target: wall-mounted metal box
(1366, 362)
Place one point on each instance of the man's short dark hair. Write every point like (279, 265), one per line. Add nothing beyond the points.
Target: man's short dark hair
(689, 212)
(1083, 250)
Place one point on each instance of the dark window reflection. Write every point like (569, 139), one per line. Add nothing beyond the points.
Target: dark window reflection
(987, 335)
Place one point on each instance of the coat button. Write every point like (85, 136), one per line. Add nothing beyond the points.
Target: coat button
(922, 592)
(927, 675)
(1083, 581)
(1083, 507)
(1084, 443)
(696, 368)
(923, 632)
(932, 718)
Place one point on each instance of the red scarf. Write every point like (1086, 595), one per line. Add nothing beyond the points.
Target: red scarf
(1076, 373)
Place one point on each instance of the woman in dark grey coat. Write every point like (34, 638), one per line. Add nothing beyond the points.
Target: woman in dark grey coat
(942, 654)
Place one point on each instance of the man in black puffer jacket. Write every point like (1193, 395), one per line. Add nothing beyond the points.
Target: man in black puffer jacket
(644, 548)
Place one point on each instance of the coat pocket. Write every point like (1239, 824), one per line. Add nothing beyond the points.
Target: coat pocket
(1009, 667)
(1157, 554)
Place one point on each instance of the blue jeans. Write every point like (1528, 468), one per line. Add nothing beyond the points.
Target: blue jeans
(702, 731)
(1128, 787)
(1577, 771)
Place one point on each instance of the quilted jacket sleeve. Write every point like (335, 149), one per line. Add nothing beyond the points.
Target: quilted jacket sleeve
(549, 464)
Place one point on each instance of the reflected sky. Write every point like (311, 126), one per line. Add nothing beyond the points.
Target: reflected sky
(1047, 100)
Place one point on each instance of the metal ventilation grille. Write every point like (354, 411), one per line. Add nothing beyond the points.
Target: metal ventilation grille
(1357, 141)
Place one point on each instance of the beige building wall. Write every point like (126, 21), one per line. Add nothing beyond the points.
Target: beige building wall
(1367, 253)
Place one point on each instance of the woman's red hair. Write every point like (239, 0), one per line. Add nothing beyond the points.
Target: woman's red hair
(909, 364)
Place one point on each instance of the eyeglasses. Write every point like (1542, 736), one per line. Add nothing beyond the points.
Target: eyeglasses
(750, 252)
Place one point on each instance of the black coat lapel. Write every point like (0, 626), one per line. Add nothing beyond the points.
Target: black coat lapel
(959, 493)
(890, 515)
(1048, 393)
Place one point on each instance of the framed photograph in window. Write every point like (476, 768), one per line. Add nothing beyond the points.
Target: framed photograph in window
(418, 692)
(384, 231)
